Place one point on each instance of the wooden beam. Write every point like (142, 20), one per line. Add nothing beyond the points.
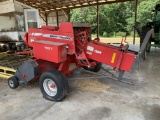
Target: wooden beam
(79, 2)
(63, 11)
(67, 12)
(60, 6)
(46, 18)
(93, 4)
(71, 3)
(135, 20)
(57, 18)
(42, 17)
(97, 21)
(88, 2)
(59, 3)
(46, 5)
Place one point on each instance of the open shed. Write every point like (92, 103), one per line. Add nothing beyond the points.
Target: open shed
(96, 98)
(60, 9)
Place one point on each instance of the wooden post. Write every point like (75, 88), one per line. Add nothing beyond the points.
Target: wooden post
(97, 21)
(57, 18)
(68, 13)
(46, 18)
(135, 20)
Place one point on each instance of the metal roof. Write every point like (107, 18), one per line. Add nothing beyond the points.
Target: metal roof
(51, 5)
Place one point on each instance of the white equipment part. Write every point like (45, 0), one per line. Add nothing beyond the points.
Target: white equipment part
(12, 20)
(31, 18)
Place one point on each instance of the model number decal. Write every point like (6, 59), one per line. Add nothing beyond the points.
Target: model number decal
(98, 51)
(48, 48)
(90, 48)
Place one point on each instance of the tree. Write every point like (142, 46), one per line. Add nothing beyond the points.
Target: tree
(145, 13)
(115, 18)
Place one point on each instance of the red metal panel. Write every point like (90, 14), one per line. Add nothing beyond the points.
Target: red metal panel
(64, 35)
(102, 54)
(33, 35)
(127, 61)
(57, 36)
(110, 55)
(50, 51)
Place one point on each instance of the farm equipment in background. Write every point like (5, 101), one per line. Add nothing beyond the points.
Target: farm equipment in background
(155, 25)
(57, 51)
(15, 19)
(9, 45)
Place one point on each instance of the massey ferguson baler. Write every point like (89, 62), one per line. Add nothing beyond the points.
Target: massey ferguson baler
(57, 51)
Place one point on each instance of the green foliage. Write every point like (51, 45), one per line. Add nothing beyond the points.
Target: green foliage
(115, 19)
(105, 34)
(145, 13)
(119, 34)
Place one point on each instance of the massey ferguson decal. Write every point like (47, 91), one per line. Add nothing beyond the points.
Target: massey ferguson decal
(91, 49)
(57, 36)
(52, 36)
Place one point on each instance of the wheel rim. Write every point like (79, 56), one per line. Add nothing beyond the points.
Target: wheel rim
(50, 87)
(11, 83)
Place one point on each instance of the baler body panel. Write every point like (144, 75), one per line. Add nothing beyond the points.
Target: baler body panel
(50, 51)
(102, 54)
(63, 35)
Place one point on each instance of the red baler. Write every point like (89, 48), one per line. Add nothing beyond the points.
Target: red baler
(57, 51)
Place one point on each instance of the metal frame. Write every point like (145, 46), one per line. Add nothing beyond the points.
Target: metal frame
(53, 5)
(46, 6)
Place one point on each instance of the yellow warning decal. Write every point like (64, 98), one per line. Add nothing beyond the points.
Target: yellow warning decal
(113, 57)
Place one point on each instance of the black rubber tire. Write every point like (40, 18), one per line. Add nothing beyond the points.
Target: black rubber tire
(144, 30)
(13, 82)
(95, 68)
(61, 82)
